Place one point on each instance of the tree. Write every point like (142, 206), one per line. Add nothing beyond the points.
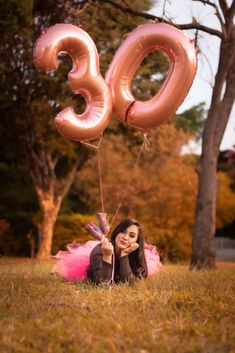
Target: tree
(191, 121)
(203, 249)
(28, 101)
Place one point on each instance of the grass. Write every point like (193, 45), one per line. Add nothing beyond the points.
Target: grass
(175, 311)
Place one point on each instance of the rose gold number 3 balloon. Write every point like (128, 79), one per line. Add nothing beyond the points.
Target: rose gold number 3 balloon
(84, 78)
(183, 63)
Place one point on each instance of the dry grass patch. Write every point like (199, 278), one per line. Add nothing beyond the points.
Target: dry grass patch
(175, 311)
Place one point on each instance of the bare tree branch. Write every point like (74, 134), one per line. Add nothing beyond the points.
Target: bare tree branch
(224, 6)
(200, 28)
(148, 16)
(62, 187)
(230, 14)
(218, 15)
(164, 9)
(209, 82)
(164, 13)
(131, 11)
(207, 2)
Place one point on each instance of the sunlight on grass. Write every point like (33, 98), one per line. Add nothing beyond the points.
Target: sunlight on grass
(175, 311)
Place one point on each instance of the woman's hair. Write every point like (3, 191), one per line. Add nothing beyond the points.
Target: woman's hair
(137, 259)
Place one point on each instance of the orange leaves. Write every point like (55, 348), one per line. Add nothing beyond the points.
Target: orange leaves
(225, 201)
(161, 194)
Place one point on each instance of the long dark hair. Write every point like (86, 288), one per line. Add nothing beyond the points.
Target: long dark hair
(137, 259)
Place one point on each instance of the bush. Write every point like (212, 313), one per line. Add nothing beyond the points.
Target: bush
(69, 228)
(8, 242)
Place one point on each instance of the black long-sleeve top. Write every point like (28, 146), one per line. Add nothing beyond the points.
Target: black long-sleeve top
(100, 271)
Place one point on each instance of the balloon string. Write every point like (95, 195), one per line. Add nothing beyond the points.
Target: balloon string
(99, 168)
(128, 184)
(100, 176)
(124, 194)
(91, 145)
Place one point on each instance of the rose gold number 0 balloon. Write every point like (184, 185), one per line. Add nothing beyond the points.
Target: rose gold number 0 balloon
(183, 63)
(85, 77)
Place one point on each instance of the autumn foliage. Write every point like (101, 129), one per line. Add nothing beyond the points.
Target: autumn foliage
(160, 190)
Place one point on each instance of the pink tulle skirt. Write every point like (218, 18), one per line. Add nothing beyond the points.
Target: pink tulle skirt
(73, 263)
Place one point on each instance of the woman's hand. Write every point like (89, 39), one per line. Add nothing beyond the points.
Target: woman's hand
(129, 249)
(107, 250)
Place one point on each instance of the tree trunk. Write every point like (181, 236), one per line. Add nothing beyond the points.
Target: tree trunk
(203, 247)
(50, 196)
(203, 250)
(46, 229)
(50, 206)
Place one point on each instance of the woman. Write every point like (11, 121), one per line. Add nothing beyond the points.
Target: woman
(124, 258)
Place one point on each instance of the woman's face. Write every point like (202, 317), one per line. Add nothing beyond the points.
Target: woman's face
(127, 237)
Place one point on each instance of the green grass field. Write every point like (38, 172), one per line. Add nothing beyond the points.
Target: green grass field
(175, 311)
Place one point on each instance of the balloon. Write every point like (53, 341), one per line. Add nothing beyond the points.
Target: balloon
(183, 63)
(92, 228)
(84, 78)
(103, 222)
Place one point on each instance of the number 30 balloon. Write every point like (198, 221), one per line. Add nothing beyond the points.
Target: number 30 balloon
(85, 77)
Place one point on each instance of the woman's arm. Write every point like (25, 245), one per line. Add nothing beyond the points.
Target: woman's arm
(125, 271)
(100, 270)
